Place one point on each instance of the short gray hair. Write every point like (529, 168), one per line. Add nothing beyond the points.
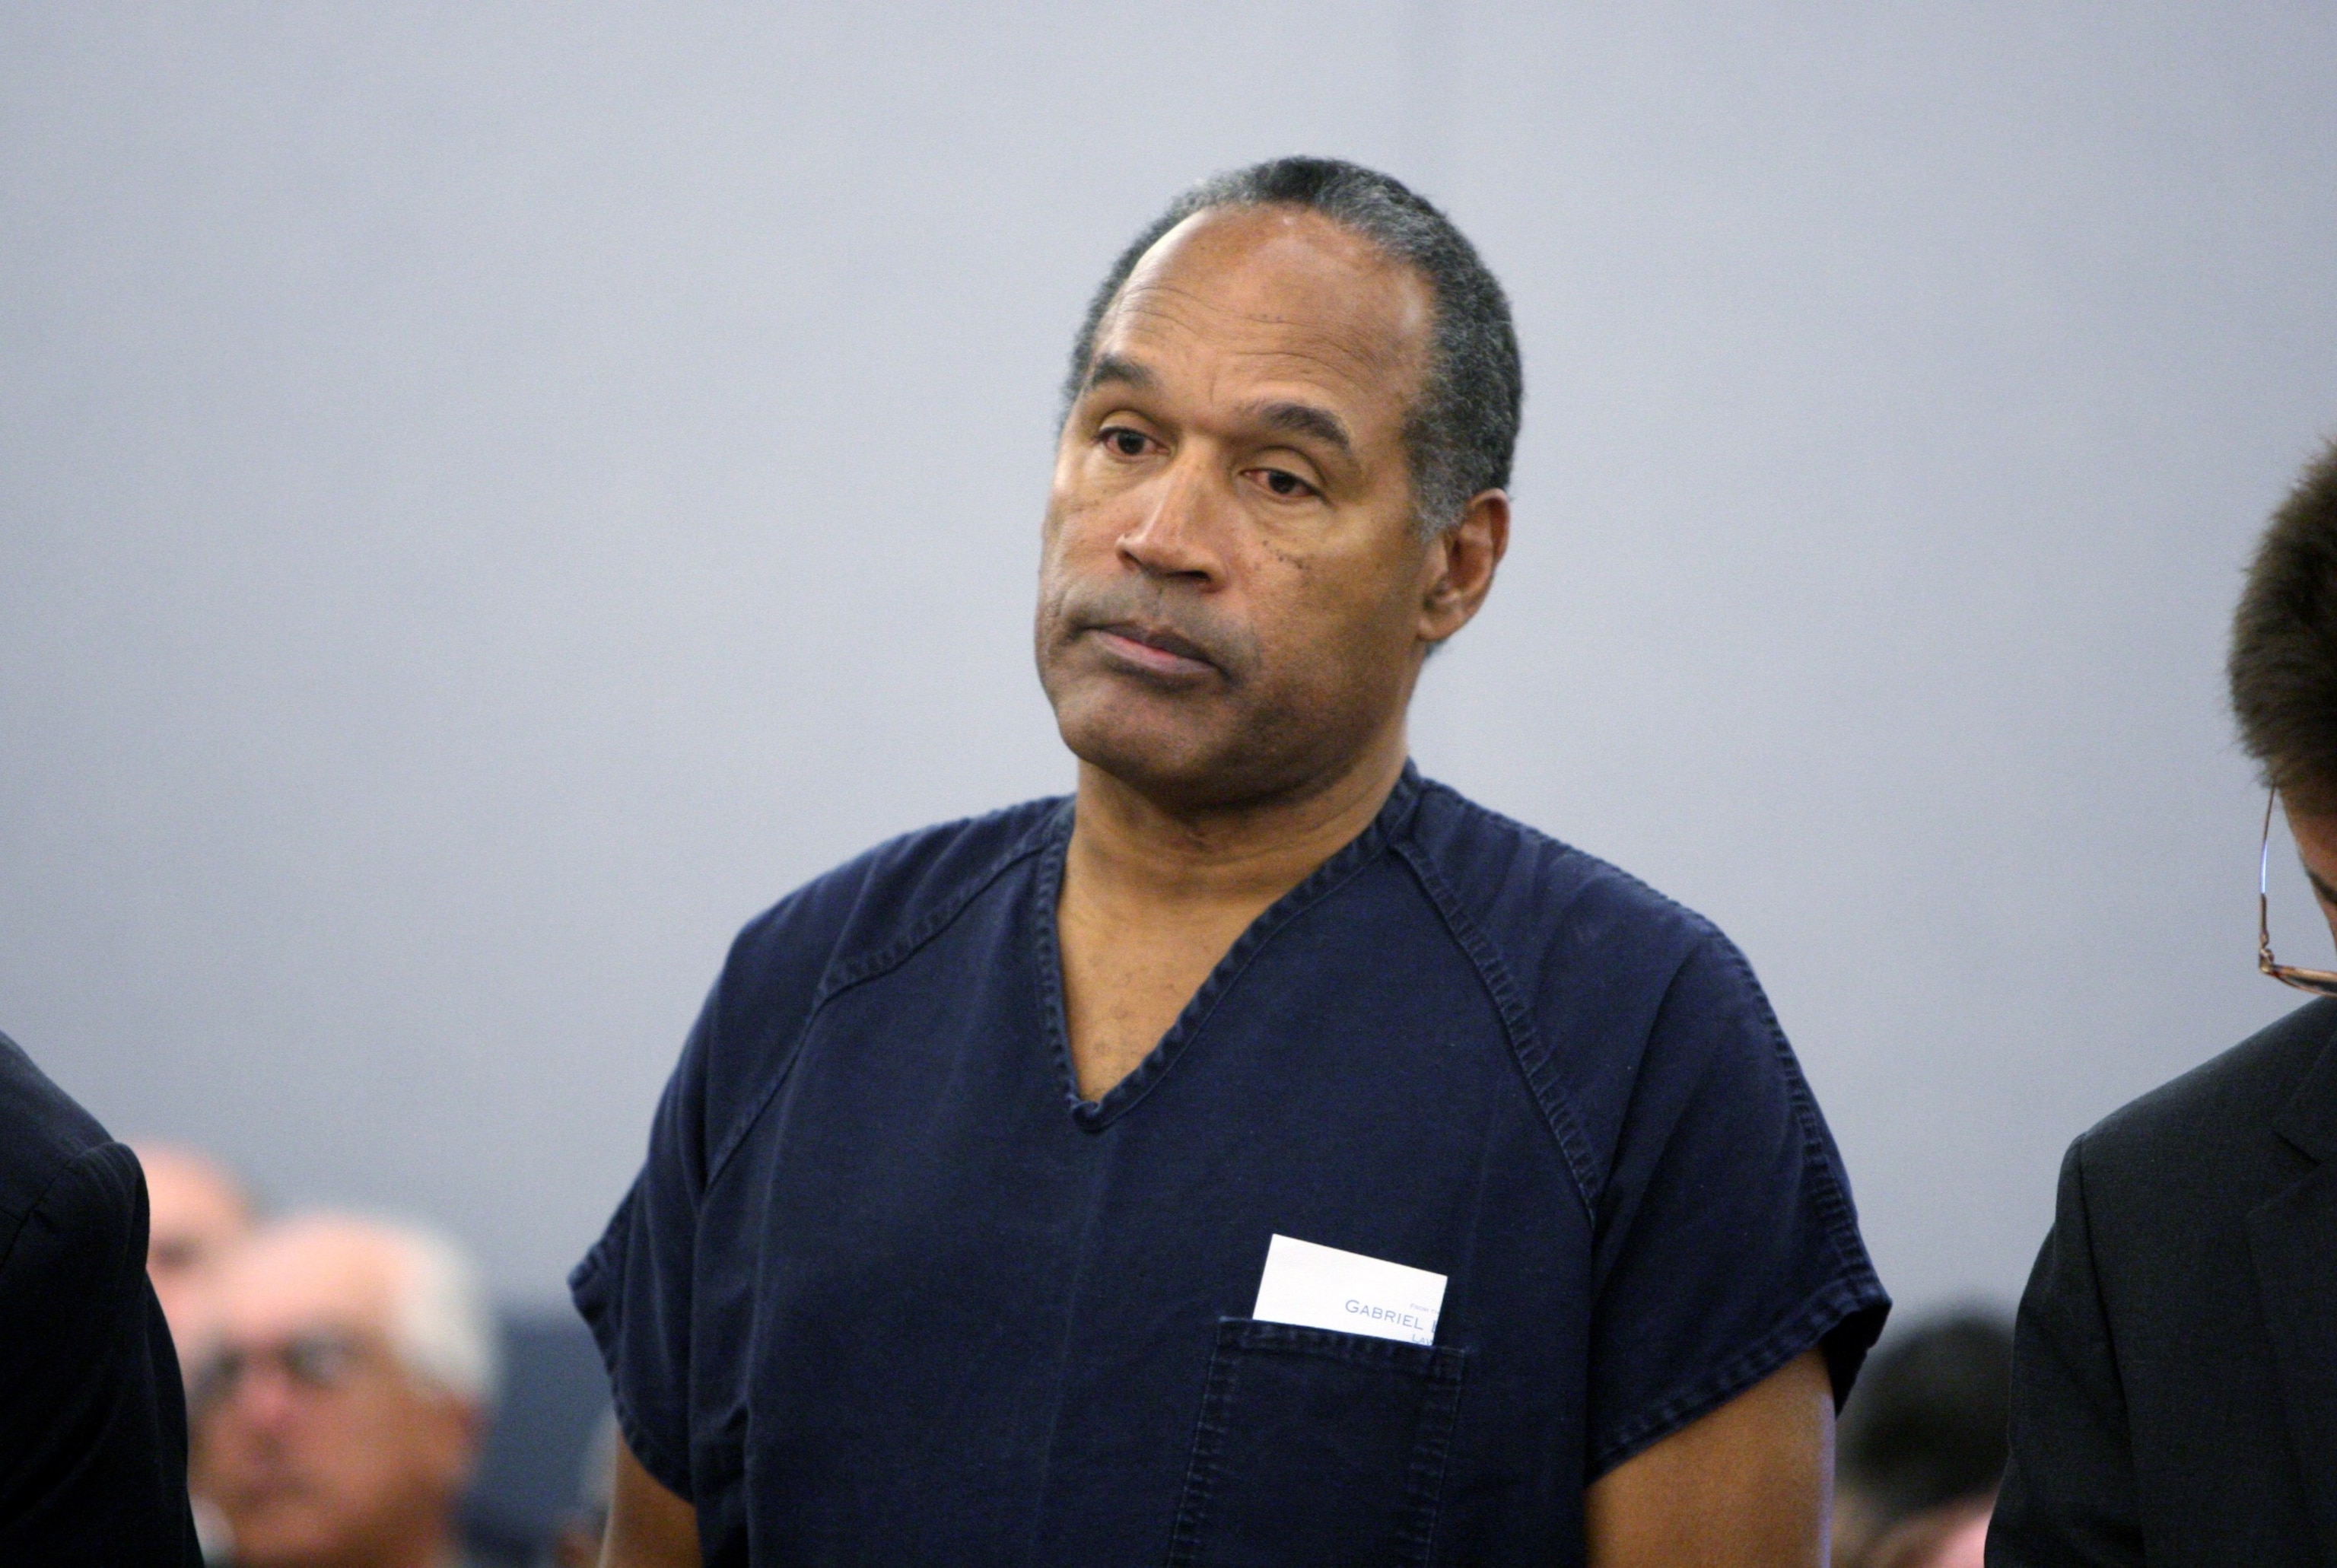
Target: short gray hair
(441, 1326)
(1463, 435)
(438, 1318)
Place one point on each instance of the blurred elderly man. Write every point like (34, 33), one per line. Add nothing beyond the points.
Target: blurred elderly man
(197, 1212)
(339, 1411)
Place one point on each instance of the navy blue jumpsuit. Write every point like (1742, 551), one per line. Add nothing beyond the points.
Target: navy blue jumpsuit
(888, 1291)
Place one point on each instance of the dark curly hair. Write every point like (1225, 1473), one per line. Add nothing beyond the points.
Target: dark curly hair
(2283, 664)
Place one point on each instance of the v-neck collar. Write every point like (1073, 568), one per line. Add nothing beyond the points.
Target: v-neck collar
(1093, 1115)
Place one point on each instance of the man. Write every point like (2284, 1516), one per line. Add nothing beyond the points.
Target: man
(1264, 1156)
(1922, 1445)
(340, 1413)
(2175, 1371)
(198, 1212)
(92, 1423)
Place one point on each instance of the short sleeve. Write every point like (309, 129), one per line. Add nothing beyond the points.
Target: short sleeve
(1726, 1242)
(636, 1288)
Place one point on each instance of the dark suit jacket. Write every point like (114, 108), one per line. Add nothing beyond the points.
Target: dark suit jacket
(2175, 1365)
(93, 1420)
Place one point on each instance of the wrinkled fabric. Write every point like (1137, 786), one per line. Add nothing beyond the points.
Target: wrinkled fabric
(888, 1290)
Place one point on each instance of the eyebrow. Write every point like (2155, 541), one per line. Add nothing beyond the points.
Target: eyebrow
(1306, 419)
(1290, 418)
(1110, 367)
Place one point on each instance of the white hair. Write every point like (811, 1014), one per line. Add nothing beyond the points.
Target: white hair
(440, 1323)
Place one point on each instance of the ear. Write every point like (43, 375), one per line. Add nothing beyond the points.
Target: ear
(1461, 561)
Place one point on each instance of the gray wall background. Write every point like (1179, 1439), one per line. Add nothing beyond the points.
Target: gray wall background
(493, 496)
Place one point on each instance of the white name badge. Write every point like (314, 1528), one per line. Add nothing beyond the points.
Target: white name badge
(1322, 1287)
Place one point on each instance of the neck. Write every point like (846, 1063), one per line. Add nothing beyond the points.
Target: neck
(1249, 852)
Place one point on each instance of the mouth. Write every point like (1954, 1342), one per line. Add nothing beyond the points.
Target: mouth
(1153, 651)
(258, 1493)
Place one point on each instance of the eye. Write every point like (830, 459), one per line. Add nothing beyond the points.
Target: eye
(1125, 442)
(1286, 486)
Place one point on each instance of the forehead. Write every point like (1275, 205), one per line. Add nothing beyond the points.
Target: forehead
(186, 1193)
(1277, 293)
(294, 1282)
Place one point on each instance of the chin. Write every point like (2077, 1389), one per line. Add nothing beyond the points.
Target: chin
(1189, 750)
(1148, 751)
(289, 1535)
(1182, 771)
(1142, 760)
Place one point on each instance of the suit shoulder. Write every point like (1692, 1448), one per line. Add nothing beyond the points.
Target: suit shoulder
(2245, 1087)
(41, 1130)
(2221, 1109)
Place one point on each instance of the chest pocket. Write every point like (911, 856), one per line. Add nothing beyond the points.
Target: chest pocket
(1317, 1449)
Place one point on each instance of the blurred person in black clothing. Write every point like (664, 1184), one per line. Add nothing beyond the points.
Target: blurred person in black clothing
(1921, 1444)
(339, 1414)
(92, 1422)
(2175, 1364)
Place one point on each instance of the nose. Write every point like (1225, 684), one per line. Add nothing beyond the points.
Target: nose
(1178, 530)
(263, 1398)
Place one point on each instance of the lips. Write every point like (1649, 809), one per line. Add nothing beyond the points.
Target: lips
(1154, 649)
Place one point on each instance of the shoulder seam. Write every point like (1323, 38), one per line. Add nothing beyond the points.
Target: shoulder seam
(1526, 1049)
(843, 977)
(1527, 830)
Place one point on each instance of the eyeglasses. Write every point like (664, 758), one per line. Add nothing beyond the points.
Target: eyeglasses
(2320, 982)
(313, 1363)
